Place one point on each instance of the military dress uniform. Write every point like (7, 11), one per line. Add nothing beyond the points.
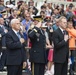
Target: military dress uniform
(37, 51)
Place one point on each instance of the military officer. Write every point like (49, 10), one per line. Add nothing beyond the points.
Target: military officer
(38, 49)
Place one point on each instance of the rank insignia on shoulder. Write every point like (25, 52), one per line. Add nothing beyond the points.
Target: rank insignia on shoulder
(35, 30)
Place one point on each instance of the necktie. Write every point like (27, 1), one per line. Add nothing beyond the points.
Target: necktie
(18, 34)
(41, 31)
(64, 32)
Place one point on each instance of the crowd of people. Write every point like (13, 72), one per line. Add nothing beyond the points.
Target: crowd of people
(49, 33)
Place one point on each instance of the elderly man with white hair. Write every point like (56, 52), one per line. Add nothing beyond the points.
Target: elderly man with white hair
(16, 55)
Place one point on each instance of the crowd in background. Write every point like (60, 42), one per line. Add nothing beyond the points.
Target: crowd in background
(25, 12)
(50, 15)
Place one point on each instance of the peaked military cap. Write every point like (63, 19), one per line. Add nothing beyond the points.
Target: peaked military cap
(38, 18)
(3, 12)
(48, 19)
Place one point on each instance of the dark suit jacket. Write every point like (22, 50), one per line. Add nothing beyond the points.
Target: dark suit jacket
(37, 51)
(15, 53)
(61, 48)
(3, 38)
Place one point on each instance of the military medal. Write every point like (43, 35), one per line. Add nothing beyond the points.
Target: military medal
(37, 39)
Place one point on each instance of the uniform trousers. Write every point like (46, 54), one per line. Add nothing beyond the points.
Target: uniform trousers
(38, 68)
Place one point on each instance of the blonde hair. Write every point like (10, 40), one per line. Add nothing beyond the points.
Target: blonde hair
(62, 17)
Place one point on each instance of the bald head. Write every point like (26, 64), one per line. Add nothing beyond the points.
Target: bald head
(15, 24)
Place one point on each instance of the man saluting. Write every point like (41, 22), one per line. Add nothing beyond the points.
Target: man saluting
(37, 51)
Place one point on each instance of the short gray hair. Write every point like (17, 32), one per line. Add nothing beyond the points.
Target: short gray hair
(13, 21)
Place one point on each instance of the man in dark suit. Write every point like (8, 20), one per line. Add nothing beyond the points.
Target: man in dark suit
(16, 56)
(37, 51)
(3, 31)
(61, 48)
